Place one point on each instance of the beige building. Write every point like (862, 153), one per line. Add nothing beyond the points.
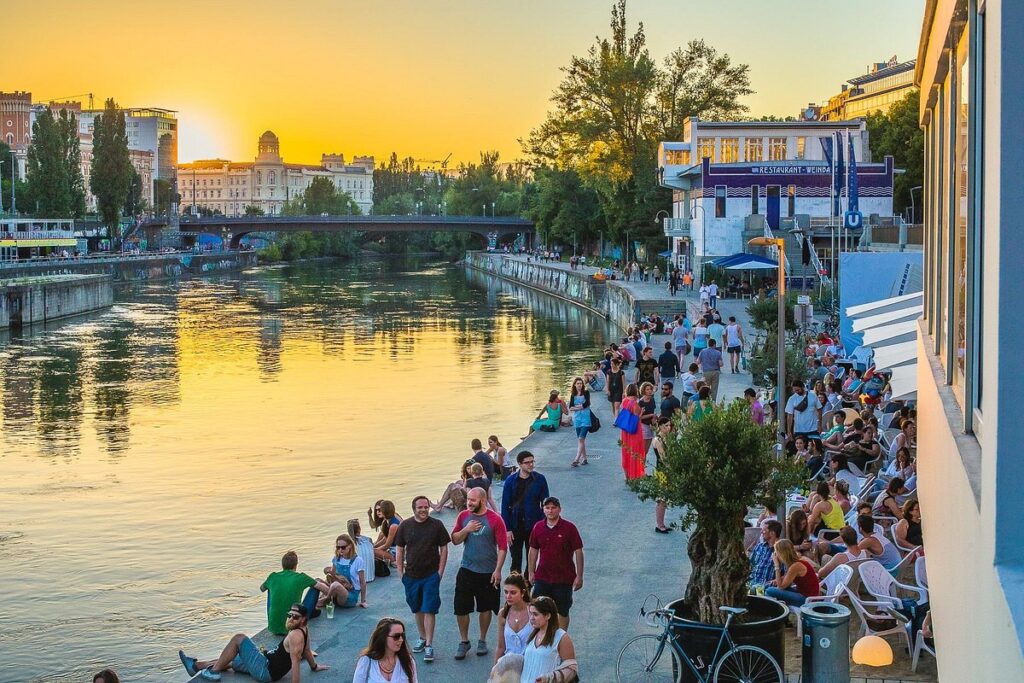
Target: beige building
(268, 182)
(883, 85)
(970, 70)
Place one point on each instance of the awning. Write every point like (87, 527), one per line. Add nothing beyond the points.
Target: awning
(890, 334)
(904, 382)
(664, 254)
(895, 355)
(900, 315)
(755, 263)
(889, 328)
(896, 303)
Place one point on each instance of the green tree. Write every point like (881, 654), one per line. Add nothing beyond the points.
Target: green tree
(897, 133)
(111, 175)
(251, 210)
(615, 104)
(54, 171)
(134, 204)
(163, 196)
(719, 467)
(563, 208)
(6, 168)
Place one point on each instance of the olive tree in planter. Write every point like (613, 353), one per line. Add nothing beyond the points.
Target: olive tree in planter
(715, 469)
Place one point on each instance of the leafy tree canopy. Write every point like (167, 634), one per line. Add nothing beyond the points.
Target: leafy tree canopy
(897, 133)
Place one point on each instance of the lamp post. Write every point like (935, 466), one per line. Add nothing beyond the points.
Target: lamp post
(703, 236)
(668, 259)
(780, 336)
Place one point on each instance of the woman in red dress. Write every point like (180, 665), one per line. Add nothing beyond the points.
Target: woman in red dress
(633, 453)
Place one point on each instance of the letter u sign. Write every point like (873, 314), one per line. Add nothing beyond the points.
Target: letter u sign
(853, 220)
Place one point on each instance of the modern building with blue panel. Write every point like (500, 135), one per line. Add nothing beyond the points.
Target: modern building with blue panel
(730, 178)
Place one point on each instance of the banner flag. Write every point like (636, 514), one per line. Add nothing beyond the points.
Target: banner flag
(852, 192)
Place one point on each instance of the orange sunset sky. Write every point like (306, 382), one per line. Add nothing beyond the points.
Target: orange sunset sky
(423, 78)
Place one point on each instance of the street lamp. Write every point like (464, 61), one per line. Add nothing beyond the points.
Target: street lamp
(703, 236)
(780, 336)
(668, 259)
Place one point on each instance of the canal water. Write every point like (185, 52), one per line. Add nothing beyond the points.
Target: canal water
(158, 458)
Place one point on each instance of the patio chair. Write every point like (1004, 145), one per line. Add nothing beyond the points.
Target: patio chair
(832, 588)
(879, 582)
(879, 618)
(921, 575)
(904, 549)
(920, 645)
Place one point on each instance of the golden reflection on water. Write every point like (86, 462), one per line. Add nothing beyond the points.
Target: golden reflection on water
(162, 455)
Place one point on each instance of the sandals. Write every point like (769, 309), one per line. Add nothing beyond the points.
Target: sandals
(575, 464)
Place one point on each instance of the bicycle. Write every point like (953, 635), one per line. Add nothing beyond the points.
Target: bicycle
(658, 658)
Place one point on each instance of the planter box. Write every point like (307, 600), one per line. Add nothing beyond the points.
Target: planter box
(767, 630)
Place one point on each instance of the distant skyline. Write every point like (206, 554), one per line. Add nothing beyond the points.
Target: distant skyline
(421, 79)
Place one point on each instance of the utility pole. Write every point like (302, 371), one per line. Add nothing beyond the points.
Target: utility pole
(14, 176)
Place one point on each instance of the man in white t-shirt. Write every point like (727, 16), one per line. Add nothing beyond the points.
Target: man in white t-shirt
(713, 293)
(802, 413)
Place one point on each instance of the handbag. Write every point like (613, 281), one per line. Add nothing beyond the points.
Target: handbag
(381, 568)
(627, 421)
(595, 423)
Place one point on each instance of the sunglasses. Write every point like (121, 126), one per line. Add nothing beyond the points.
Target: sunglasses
(293, 615)
(397, 636)
(341, 547)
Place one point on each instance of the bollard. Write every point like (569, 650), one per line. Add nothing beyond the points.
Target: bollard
(826, 645)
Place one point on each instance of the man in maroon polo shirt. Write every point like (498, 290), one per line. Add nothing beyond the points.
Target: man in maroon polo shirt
(555, 564)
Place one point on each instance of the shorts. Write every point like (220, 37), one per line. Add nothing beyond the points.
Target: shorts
(351, 601)
(474, 588)
(423, 595)
(734, 349)
(561, 593)
(251, 660)
(581, 432)
(615, 396)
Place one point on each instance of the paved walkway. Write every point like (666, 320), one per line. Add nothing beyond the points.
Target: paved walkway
(625, 561)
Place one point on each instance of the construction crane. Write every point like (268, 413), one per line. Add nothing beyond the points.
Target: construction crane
(67, 98)
(442, 162)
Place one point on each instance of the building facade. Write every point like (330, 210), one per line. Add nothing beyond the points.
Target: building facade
(148, 129)
(268, 182)
(970, 71)
(723, 173)
(883, 85)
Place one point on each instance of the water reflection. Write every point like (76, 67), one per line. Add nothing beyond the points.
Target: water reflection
(140, 444)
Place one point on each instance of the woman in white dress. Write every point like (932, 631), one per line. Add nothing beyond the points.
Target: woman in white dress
(549, 656)
(514, 618)
(387, 658)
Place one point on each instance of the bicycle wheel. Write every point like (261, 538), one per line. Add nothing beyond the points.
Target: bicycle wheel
(647, 659)
(747, 664)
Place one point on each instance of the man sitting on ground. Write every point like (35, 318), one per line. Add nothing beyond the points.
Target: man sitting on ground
(285, 588)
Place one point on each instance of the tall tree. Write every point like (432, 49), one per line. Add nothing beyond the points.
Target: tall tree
(111, 175)
(135, 204)
(53, 170)
(897, 133)
(615, 104)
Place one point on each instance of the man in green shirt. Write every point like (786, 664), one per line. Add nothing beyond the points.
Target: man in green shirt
(285, 589)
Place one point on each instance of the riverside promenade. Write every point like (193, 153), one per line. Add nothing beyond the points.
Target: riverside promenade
(625, 559)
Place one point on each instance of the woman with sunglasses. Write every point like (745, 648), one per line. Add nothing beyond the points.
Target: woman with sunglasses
(386, 659)
(241, 655)
(346, 576)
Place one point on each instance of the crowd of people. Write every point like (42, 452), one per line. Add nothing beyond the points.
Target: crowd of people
(532, 599)
(860, 504)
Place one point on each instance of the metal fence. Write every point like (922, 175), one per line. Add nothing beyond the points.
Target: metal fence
(891, 234)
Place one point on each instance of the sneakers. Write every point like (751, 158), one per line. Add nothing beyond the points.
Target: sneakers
(463, 650)
(481, 648)
(189, 662)
(420, 644)
(208, 674)
(428, 653)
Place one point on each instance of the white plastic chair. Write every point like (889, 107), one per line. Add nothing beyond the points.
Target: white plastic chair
(879, 618)
(919, 645)
(879, 582)
(904, 549)
(921, 575)
(832, 588)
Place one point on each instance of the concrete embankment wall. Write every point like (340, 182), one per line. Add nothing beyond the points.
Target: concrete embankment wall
(612, 299)
(39, 300)
(137, 268)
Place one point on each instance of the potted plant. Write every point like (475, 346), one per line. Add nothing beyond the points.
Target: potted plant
(715, 469)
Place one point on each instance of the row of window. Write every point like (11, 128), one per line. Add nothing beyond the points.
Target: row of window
(271, 180)
(906, 78)
(953, 248)
(778, 148)
(772, 192)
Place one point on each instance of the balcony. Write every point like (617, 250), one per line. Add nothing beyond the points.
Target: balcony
(676, 227)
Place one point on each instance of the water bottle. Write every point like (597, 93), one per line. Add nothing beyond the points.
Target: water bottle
(330, 609)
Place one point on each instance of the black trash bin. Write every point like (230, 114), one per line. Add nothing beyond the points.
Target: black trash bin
(826, 645)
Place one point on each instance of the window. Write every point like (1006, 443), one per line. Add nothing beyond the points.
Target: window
(730, 150)
(720, 196)
(959, 228)
(706, 148)
(755, 200)
(753, 150)
(273, 177)
(777, 149)
(792, 200)
(259, 177)
(677, 157)
(801, 147)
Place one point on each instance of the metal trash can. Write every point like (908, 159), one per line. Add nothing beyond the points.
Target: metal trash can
(826, 646)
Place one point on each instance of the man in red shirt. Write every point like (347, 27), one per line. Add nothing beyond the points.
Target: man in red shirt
(555, 566)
